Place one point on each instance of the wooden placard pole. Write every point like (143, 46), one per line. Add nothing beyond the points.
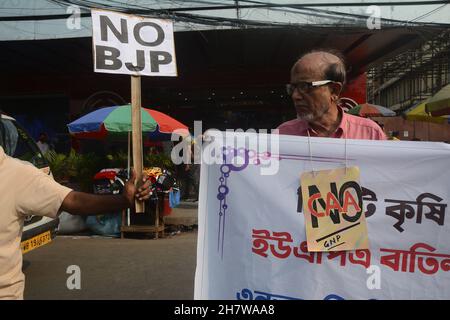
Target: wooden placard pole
(136, 123)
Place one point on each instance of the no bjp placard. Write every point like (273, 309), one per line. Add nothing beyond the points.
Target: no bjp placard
(126, 44)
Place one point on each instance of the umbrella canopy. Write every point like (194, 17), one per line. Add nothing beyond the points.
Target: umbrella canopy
(370, 110)
(418, 113)
(116, 120)
(439, 104)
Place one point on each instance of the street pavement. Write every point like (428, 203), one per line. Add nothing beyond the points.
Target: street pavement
(110, 268)
(185, 214)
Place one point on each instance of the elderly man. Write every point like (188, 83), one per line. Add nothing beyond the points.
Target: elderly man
(25, 190)
(317, 79)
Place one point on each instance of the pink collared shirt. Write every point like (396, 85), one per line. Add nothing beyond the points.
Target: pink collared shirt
(351, 127)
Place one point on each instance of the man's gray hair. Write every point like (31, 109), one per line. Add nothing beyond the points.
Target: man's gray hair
(334, 71)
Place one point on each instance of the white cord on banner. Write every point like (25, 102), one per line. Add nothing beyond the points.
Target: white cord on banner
(310, 154)
(346, 159)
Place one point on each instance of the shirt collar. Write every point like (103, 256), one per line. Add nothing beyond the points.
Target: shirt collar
(343, 126)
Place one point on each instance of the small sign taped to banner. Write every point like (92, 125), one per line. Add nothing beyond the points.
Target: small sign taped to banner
(333, 209)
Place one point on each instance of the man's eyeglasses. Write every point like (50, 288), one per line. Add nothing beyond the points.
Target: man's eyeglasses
(305, 86)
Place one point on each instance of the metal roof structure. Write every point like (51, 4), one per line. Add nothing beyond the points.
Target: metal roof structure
(412, 76)
(57, 19)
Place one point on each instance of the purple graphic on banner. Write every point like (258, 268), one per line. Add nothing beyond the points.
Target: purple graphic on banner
(230, 156)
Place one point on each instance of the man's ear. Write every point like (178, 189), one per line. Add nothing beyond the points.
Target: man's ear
(336, 88)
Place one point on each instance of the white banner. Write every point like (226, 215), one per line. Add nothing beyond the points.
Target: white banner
(252, 240)
(132, 45)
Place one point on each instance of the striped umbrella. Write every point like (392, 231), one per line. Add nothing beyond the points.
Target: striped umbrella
(117, 120)
(370, 110)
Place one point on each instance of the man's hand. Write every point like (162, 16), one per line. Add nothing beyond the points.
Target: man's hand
(142, 193)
